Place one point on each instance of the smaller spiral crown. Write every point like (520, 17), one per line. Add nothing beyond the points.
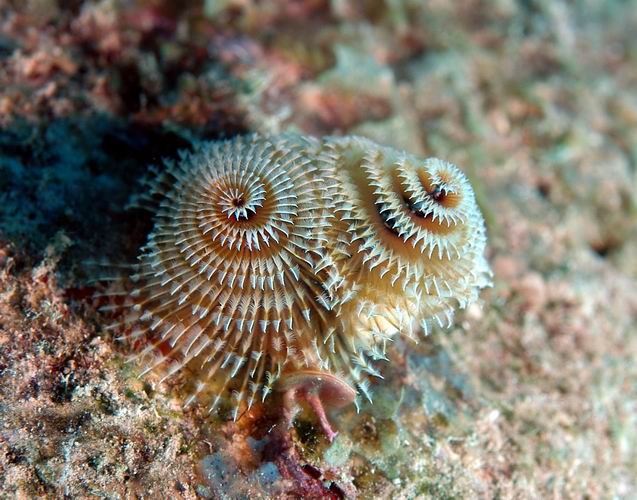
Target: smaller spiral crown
(410, 243)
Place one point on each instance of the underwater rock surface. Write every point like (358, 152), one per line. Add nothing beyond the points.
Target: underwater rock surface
(531, 394)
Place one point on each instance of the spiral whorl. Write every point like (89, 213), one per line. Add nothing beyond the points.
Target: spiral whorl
(276, 256)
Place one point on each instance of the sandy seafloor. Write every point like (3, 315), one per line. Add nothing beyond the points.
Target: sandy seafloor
(533, 392)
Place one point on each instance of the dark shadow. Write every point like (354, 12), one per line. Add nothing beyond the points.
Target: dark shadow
(73, 177)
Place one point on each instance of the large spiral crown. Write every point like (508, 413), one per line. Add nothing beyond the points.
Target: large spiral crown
(272, 257)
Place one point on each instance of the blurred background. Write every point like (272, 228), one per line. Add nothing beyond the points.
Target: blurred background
(532, 394)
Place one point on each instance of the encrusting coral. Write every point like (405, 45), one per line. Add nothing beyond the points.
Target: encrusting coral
(289, 263)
